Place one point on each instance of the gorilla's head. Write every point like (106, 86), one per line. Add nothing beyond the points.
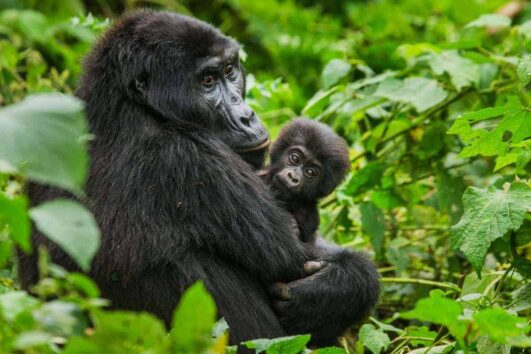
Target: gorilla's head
(183, 72)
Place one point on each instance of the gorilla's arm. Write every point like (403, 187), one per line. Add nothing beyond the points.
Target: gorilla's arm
(342, 292)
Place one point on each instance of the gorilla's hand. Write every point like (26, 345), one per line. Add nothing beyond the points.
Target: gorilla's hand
(340, 290)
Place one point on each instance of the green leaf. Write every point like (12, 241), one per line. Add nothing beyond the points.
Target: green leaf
(363, 180)
(13, 212)
(491, 20)
(122, 332)
(317, 103)
(437, 309)
(71, 226)
(462, 71)
(44, 138)
(8, 55)
(283, 345)
(512, 129)
(373, 224)
(420, 92)
(499, 325)
(334, 70)
(14, 303)
(193, 320)
(420, 332)
(524, 70)
(32, 339)
(489, 214)
(374, 339)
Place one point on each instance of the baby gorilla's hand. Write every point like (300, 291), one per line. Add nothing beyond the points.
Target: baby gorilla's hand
(282, 291)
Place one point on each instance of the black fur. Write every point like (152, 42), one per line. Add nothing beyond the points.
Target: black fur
(318, 148)
(175, 204)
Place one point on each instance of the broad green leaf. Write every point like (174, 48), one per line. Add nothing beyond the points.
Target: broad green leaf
(512, 129)
(193, 320)
(373, 223)
(283, 345)
(316, 104)
(440, 310)
(499, 325)
(334, 70)
(489, 214)
(374, 339)
(491, 20)
(8, 55)
(122, 332)
(524, 29)
(420, 92)
(32, 339)
(423, 336)
(71, 226)
(13, 212)
(462, 71)
(14, 303)
(363, 179)
(409, 51)
(521, 298)
(44, 138)
(61, 318)
(486, 346)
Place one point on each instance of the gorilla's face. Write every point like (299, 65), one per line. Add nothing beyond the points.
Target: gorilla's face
(193, 75)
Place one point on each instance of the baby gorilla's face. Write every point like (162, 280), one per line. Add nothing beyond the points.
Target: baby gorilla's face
(297, 174)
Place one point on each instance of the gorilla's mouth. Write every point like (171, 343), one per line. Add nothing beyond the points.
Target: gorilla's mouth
(260, 146)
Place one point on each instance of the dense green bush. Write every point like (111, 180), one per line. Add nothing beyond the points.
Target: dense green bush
(433, 98)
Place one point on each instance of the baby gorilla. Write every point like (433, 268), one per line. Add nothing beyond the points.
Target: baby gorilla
(308, 161)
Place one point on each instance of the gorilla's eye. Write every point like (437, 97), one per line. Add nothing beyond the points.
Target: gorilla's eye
(209, 81)
(311, 172)
(294, 159)
(229, 69)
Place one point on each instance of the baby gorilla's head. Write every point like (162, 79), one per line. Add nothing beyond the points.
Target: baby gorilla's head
(308, 160)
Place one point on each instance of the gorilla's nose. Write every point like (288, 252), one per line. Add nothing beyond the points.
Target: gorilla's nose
(247, 115)
(293, 178)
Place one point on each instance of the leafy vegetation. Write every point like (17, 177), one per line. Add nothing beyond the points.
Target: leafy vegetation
(433, 98)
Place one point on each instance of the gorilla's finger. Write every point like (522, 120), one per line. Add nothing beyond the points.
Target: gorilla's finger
(281, 291)
(312, 267)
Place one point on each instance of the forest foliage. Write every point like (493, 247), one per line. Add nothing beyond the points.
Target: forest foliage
(433, 99)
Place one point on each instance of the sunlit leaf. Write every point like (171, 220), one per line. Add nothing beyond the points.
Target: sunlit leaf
(499, 325)
(283, 345)
(44, 138)
(71, 226)
(420, 92)
(334, 70)
(440, 310)
(489, 214)
(374, 339)
(193, 320)
(13, 213)
(491, 20)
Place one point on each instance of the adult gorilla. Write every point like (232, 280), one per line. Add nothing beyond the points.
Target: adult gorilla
(175, 203)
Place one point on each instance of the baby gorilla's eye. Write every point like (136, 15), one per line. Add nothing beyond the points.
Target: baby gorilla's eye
(208, 81)
(311, 172)
(229, 69)
(294, 159)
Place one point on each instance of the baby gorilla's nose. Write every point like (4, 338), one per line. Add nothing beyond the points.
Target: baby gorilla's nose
(293, 178)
